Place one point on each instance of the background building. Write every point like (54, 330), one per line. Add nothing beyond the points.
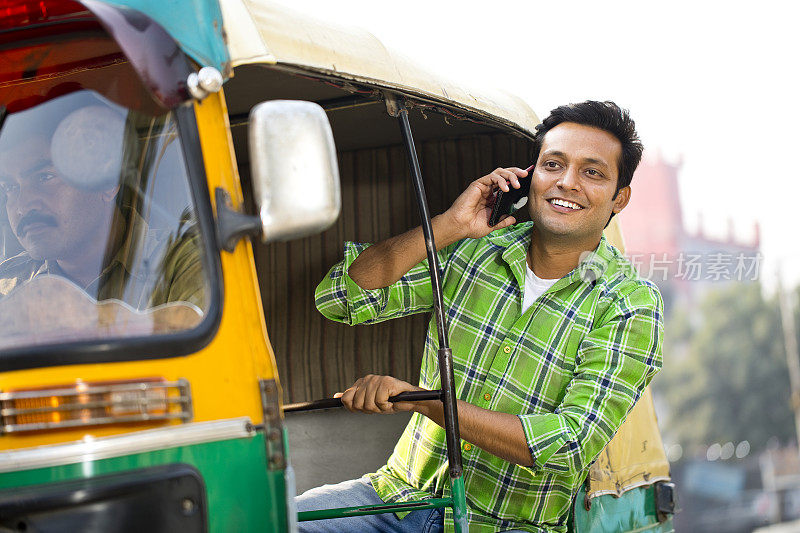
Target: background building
(684, 264)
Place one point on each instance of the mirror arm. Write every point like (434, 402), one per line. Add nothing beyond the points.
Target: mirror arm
(231, 224)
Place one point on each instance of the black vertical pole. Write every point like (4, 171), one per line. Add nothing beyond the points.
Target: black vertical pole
(445, 353)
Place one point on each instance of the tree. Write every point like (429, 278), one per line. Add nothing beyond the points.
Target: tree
(725, 376)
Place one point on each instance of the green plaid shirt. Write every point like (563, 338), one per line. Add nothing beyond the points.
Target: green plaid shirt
(571, 367)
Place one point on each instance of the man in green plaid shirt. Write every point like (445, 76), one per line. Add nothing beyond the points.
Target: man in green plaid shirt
(554, 337)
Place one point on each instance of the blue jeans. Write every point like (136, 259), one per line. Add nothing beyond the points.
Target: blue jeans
(360, 492)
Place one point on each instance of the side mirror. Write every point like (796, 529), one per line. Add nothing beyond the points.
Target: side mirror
(294, 173)
(293, 168)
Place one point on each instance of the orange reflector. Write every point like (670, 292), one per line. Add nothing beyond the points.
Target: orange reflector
(88, 404)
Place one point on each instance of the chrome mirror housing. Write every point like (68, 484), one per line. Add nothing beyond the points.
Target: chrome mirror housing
(294, 169)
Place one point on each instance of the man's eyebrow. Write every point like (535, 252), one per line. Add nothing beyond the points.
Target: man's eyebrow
(593, 161)
(35, 167)
(555, 153)
(38, 165)
(589, 160)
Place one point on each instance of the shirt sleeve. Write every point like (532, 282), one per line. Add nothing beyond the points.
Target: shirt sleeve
(615, 362)
(340, 298)
(181, 276)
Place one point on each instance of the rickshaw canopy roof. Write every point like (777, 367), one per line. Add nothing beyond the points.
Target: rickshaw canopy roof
(260, 31)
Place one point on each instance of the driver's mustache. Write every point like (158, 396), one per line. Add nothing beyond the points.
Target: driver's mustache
(34, 217)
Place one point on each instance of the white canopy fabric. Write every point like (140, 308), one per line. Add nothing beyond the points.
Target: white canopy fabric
(259, 31)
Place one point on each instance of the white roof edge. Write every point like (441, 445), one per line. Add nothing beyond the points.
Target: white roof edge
(245, 45)
(260, 31)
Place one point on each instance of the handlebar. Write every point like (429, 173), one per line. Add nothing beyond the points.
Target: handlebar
(332, 403)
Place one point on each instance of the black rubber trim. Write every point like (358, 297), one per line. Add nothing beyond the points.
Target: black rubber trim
(148, 347)
(88, 27)
(167, 481)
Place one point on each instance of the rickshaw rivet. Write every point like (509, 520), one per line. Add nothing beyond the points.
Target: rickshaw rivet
(187, 506)
(210, 79)
(274, 434)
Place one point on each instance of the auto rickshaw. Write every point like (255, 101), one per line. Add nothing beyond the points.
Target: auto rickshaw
(153, 396)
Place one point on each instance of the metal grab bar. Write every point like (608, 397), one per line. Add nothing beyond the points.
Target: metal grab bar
(332, 403)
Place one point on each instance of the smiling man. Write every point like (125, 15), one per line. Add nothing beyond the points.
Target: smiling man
(554, 337)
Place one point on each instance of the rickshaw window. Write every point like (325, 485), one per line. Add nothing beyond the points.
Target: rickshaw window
(162, 299)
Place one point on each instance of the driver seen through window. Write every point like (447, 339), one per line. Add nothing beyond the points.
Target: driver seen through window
(101, 235)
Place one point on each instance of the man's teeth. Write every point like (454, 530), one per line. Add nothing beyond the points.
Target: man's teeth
(564, 203)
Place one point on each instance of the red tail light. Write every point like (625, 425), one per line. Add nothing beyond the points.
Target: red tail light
(25, 13)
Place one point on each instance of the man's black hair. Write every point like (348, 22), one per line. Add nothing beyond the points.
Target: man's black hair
(606, 116)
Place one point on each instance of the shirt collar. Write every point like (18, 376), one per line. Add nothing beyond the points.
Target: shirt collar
(49, 266)
(517, 238)
(594, 264)
(134, 242)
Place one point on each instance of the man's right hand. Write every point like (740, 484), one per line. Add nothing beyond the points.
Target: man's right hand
(387, 261)
(470, 211)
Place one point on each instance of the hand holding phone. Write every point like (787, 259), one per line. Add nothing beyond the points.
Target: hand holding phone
(504, 201)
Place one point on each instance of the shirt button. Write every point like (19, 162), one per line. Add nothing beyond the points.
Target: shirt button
(467, 446)
(487, 396)
(507, 349)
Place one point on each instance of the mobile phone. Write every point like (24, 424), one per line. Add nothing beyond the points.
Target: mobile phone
(504, 201)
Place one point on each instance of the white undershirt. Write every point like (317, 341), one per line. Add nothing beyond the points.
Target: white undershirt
(534, 287)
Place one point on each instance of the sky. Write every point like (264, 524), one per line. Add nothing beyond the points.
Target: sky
(712, 85)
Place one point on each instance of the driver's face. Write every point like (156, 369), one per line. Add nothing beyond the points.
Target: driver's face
(50, 218)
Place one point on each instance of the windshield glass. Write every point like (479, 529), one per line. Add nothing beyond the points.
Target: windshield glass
(99, 236)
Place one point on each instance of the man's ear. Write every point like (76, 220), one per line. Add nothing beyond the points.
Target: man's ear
(110, 194)
(622, 199)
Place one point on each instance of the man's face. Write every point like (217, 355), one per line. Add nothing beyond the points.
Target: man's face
(574, 180)
(50, 218)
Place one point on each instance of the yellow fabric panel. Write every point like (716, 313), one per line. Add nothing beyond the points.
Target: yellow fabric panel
(614, 234)
(635, 456)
